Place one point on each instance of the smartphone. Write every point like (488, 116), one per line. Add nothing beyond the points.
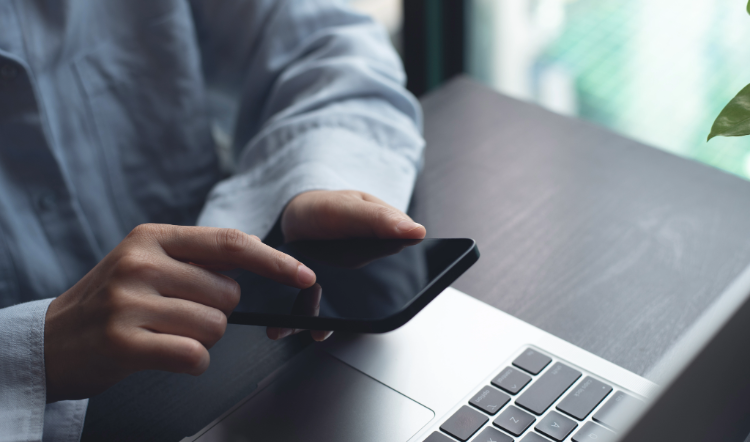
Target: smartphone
(363, 285)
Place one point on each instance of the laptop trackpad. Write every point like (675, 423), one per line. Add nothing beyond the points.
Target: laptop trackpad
(322, 399)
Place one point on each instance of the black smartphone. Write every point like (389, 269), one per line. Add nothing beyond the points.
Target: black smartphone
(363, 285)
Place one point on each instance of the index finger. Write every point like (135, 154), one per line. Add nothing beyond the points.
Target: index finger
(214, 246)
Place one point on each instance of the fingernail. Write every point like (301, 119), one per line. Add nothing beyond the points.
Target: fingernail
(305, 276)
(407, 226)
(272, 333)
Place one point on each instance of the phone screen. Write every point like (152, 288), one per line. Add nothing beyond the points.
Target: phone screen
(356, 279)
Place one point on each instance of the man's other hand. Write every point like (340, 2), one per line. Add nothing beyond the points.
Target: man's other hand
(153, 303)
(324, 214)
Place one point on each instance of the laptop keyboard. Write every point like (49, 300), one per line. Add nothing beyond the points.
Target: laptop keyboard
(536, 399)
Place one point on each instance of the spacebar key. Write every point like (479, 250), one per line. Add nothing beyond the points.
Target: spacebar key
(548, 388)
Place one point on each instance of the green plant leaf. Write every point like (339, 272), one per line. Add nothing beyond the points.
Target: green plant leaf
(748, 7)
(734, 119)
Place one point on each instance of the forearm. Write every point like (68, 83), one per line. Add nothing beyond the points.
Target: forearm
(327, 158)
(333, 115)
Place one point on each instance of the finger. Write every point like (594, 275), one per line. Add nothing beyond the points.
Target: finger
(345, 214)
(214, 267)
(307, 302)
(175, 279)
(276, 333)
(363, 216)
(177, 354)
(216, 246)
(183, 318)
(319, 335)
(388, 222)
(370, 219)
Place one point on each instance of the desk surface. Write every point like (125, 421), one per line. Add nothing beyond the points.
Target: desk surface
(607, 243)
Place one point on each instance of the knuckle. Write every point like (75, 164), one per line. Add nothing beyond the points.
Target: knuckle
(385, 215)
(232, 240)
(137, 263)
(323, 206)
(385, 212)
(190, 356)
(215, 325)
(118, 308)
(117, 302)
(148, 230)
(232, 295)
(143, 230)
(282, 264)
(119, 345)
(353, 193)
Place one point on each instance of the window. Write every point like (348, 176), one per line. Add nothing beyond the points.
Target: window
(658, 71)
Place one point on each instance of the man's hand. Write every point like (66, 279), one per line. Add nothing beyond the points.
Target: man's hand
(323, 214)
(147, 306)
(343, 214)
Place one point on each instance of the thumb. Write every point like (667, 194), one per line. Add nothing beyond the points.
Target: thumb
(345, 214)
(373, 217)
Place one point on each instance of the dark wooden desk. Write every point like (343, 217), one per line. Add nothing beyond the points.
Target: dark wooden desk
(607, 243)
(602, 241)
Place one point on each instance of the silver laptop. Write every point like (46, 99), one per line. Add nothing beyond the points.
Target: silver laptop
(462, 370)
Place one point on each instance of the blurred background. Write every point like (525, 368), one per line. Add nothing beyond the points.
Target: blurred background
(658, 71)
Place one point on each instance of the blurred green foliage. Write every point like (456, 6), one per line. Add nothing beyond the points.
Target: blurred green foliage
(734, 119)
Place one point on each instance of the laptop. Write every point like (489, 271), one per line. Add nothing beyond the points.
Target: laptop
(462, 370)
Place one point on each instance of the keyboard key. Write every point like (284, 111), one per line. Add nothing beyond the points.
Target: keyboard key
(533, 437)
(464, 423)
(556, 426)
(490, 434)
(437, 437)
(490, 400)
(514, 420)
(532, 361)
(548, 388)
(584, 398)
(511, 380)
(594, 433)
(615, 412)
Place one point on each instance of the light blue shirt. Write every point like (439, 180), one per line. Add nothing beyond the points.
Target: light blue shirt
(110, 113)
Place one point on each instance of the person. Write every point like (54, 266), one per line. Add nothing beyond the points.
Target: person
(116, 207)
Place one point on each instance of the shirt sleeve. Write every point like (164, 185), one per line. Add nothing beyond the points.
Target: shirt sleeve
(24, 414)
(322, 106)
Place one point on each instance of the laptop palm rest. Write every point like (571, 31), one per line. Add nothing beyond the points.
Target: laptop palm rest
(319, 398)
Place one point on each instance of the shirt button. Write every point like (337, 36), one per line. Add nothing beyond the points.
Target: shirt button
(47, 201)
(8, 71)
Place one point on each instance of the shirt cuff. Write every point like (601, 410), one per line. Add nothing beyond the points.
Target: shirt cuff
(63, 421)
(327, 158)
(23, 393)
(23, 386)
